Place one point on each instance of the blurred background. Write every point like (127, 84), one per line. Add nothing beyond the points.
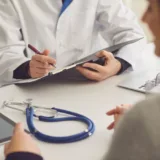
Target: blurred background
(139, 6)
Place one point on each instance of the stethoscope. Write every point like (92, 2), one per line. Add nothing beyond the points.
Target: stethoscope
(31, 110)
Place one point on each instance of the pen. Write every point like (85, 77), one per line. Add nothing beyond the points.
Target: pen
(37, 52)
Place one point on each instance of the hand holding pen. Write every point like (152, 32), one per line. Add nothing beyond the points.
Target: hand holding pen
(41, 63)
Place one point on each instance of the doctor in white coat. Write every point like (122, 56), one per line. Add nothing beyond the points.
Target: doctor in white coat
(65, 34)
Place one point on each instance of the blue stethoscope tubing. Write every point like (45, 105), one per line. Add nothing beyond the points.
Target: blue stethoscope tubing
(52, 139)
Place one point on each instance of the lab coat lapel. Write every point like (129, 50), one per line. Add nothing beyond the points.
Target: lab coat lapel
(66, 4)
(74, 30)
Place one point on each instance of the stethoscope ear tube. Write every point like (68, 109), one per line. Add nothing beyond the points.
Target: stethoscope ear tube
(52, 139)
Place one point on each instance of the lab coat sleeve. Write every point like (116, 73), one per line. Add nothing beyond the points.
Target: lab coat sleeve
(23, 156)
(118, 24)
(11, 42)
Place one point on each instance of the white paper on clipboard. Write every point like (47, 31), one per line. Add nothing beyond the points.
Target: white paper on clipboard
(81, 61)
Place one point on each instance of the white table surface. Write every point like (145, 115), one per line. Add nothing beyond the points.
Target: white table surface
(88, 98)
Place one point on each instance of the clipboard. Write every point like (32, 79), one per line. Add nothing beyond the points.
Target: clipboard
(91, 58)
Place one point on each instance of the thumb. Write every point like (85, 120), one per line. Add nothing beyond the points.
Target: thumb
(46, 52)
(18, 128)
(107, 55)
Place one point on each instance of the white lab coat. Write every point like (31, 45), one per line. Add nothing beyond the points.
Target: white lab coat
(86, 26)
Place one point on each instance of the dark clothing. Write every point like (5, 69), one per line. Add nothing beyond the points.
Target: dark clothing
(23, 156)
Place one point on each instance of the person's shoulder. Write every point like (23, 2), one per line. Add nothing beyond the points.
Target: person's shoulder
(146, 111)
(151, 103)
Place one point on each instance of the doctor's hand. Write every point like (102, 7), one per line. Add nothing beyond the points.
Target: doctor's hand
(21, 142)
(40, 65)
(117, 113)
(112, 67)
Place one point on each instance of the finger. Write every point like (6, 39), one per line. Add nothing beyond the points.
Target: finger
(41, 71)
(95, 66)
(34, 74)
(106, 54)
(46, 66)
(44, 59)
(46, 52)
(117, 110)
(111, 126)
(89, 74)
(38, 64)
(18, 128)
(38, 75)
(50, 60)
(120, 110)
(111, 112)
(39, 58)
